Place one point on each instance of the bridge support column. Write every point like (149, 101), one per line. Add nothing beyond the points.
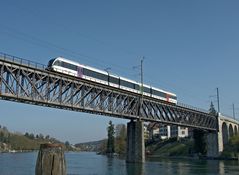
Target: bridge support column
(212, 144)
(135, 142)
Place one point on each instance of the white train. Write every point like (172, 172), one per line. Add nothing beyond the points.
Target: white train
(69, 67)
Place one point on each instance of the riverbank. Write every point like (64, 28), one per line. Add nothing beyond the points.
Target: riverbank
(184, 149)
(16, 142)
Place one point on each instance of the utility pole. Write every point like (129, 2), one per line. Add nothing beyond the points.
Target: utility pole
(218, 104)
(141, 75)
(233, 111)
(142, 87)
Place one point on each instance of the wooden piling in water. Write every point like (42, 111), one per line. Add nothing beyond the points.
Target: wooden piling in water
(50, 160)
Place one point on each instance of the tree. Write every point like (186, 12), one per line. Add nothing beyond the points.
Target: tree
(212, 110)
(31, 136)
(111, 138)
(26, 134)
(47, 137)
(67, 143)
(41, 136)
(1, 136)
(120, 141)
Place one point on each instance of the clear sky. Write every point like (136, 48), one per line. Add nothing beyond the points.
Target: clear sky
(190, 48)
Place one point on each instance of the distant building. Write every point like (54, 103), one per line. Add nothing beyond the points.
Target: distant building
(164, 131)
(158, 131)
(179, 131)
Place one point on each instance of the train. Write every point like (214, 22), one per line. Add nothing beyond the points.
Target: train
(69, 67)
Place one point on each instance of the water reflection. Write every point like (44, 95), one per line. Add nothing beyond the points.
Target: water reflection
(92, 164)
(221, 167)
(191, 167)
(135, 168)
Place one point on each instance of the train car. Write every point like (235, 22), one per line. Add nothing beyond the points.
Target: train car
(72, 68)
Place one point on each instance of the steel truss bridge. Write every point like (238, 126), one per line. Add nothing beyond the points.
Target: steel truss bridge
(28, 82)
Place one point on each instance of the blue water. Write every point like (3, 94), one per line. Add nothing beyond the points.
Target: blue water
(85, 163)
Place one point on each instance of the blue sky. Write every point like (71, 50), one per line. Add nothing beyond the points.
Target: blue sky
(190, 48)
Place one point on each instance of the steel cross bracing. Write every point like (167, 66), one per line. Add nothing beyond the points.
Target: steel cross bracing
(29, 84)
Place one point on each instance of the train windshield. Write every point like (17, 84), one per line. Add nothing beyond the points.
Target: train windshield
(50, 62)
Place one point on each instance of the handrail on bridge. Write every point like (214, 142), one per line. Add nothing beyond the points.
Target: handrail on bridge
(22, 61)
(192, 107)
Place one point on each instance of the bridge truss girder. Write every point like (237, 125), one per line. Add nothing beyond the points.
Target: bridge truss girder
(23, 83)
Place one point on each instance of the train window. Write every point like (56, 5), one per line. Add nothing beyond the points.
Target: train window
(146, 89)
(68, 66)
(86, 72)
(114, 80)
(73, 67)
(94, 74)
(136, 86)
(173, 97)
(63, 64)
(100, 76)
(57, 63)
(127, 84)
(159, 93)
(50, 62)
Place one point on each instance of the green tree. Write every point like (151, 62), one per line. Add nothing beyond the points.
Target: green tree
(120, 141)
(41, 136)
(67, 143)
(26, 135)
(31, 136)
(212, 110)
(1, 137)
(111, 138)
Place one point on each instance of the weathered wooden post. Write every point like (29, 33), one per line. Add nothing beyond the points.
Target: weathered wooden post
(50, 160)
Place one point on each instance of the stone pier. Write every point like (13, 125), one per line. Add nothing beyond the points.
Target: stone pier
(135, 142)
(212, 144)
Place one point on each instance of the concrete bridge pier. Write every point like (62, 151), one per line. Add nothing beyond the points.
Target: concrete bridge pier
(212, 144)
(135, 142)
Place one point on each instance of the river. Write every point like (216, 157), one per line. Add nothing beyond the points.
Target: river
(88, 163)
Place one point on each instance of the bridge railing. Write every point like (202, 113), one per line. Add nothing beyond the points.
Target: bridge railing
(192, 107)
(22, 61)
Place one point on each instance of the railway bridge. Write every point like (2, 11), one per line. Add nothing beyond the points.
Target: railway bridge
(28, 82)
(228, 127)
